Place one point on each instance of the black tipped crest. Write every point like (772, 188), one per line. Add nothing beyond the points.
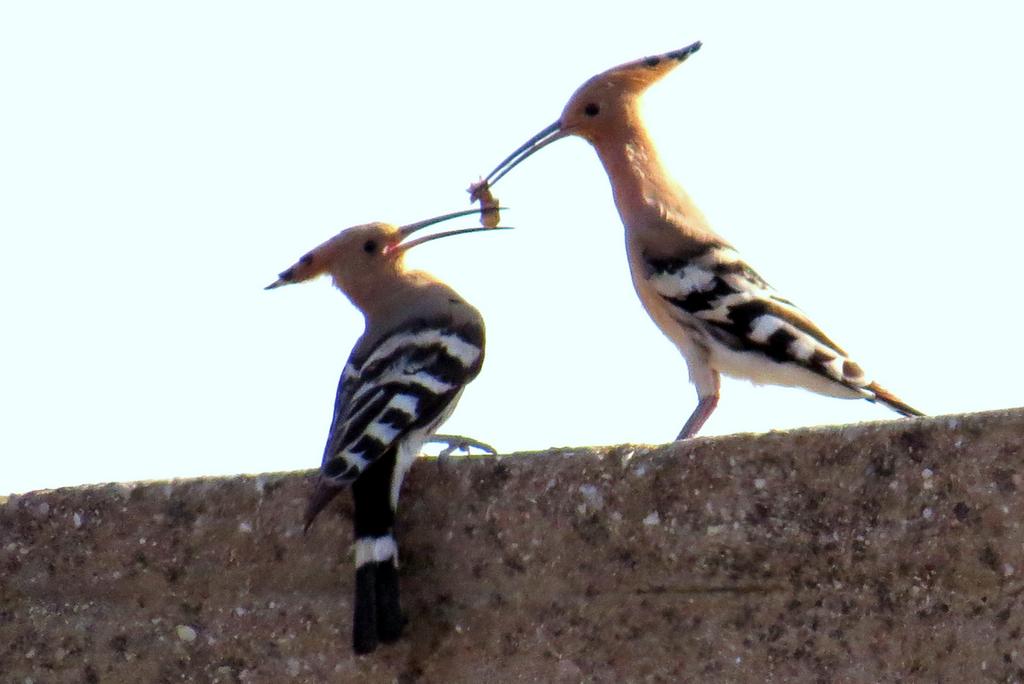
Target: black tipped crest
(681, 54)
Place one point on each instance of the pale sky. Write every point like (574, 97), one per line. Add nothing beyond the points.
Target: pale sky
(160, 163)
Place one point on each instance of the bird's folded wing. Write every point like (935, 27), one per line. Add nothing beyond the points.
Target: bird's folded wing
(738, 309)
(404, 383)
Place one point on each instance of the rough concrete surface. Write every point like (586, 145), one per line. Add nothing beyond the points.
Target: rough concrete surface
(871, 553)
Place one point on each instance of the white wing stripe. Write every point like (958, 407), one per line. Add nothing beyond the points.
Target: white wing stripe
(354, 458)
(802, 348)
(406, 403)
(428, 382)
(401, 376)
(464, 352)
(763, 327)
(384, 434)
(400, 341)
(456, 347)
(692, 279)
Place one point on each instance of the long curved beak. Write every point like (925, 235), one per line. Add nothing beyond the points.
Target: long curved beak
(317, 260)
(661, 63)
(411, 228)
(405, 246)
(538, 142)
(407, 230)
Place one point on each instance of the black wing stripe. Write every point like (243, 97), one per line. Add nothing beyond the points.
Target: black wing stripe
(359, 423)
(702, 300)
(741, 311)
(460, 344)
(404, 383)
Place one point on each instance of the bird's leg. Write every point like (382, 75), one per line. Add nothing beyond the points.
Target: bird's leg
(708, 384)
(459, 443)
(705, 407)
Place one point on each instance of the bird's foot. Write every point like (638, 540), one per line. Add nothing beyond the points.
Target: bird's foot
(459, 443)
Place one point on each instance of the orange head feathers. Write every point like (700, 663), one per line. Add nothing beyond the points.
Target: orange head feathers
(365, 258)
(603, 104)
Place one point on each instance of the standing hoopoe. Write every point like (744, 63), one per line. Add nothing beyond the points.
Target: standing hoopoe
(421, 346)
(718, 311)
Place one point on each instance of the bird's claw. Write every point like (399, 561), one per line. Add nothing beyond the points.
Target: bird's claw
(459, 443)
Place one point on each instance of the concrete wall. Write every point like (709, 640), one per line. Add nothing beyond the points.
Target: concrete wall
(880, 552)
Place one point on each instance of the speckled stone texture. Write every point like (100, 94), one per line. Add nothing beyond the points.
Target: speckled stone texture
(874, 553)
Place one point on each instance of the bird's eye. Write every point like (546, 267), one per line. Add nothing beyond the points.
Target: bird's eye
(592, 109)
(370, 246)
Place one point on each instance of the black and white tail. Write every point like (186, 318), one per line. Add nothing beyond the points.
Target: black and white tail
(377, 614)
(391, 398)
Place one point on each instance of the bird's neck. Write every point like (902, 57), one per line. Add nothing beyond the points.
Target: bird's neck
(646, 196)
(376, 293)
(388, 305)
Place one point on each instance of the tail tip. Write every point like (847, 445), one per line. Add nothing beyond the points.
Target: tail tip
(886, 397)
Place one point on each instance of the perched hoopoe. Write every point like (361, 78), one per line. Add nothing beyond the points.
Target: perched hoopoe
(421, 346)
(718, 311)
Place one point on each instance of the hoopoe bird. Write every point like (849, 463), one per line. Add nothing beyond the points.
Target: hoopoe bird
(422, 344)
(717, 310)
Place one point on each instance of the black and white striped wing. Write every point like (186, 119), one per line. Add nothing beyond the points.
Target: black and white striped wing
(406, 383)
(745, 318)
